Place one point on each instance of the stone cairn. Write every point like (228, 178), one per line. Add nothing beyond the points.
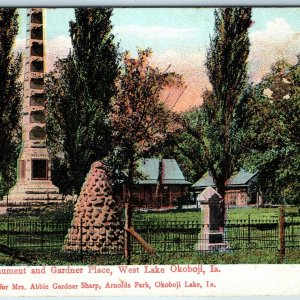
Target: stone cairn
(96, 224)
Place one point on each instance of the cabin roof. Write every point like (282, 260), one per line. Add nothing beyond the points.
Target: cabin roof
(240, 178)
(205, 181)
(170, 172)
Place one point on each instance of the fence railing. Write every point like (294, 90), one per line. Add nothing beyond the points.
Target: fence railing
(33, 234)
(164, 236)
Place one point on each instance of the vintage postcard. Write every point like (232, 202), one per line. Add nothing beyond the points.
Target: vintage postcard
(149, 151)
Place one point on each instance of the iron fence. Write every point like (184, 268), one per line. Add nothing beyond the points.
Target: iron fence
(292, 232)
(33, 234)
(252, 233)
(164, 236)
(167, 236)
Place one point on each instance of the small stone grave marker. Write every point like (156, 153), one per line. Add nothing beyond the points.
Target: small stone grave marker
(212, 234)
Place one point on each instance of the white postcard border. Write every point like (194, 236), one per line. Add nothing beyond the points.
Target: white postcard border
(263, 281)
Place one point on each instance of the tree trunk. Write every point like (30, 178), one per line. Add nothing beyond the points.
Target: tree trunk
(128, 212)
(127, 234)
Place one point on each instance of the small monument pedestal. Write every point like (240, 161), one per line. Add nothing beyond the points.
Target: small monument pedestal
(212, 235)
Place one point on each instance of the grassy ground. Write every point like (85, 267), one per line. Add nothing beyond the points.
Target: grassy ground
(57, 257)
(260, 213)
(236, 257)
(232, 214)
(168, 216)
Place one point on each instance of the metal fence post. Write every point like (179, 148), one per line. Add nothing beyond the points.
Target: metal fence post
(282, 234)
(127, 234)
(8, 233)
(292, 225)
(165, 237)
(249, 229)
(42, 234)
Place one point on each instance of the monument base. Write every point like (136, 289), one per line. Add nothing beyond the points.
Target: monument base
(35, 191)
(212, 241)
(212, 247)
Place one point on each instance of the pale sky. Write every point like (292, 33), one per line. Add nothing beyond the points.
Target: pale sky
(180, 37)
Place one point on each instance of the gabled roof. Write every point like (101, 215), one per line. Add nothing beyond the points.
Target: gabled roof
(149, 169)
(241, 178)
(205, 181)
(238, 179)
(170, 172)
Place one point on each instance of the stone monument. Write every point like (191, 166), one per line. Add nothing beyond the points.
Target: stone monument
(212, 235)
(34, 176)
(96, 224)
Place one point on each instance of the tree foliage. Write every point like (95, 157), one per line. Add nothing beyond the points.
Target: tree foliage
(271, 133)
(79, 93)
(140, 119)
(185, 144)
(10, 97)
(227, 71)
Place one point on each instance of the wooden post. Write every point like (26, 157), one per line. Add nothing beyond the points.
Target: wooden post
(144, 244)
(127, 234)
(8, 232)
(293, 237)
(282, 234)
(249, 229)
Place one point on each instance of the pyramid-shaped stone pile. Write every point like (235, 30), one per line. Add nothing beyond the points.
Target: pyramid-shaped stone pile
(96, 224)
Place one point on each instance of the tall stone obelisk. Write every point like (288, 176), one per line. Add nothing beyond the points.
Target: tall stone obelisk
(34, 176)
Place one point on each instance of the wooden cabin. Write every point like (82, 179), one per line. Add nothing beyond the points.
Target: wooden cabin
(237, 188)
(161, 184)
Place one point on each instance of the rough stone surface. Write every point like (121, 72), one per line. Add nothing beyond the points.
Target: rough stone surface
(96, 224)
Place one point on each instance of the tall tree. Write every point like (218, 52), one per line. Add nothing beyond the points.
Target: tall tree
(227, 71)
(10, 97)
(79, 93)
(271, 134)
(139, 118)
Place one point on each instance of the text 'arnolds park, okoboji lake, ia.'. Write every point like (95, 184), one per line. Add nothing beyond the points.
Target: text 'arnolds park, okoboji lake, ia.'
(48, 280)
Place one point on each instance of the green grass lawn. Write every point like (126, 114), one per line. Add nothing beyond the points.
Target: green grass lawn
(260, 213)
(255, 256)
(168, 216)
(232, 214)
(235, 257)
